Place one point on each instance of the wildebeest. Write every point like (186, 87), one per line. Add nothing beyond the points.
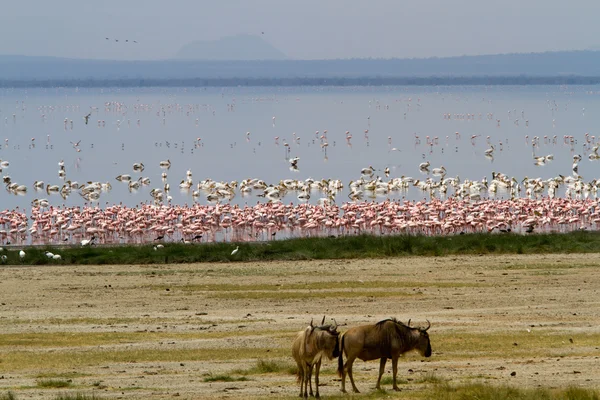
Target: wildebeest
(310, 345)
(386, 339)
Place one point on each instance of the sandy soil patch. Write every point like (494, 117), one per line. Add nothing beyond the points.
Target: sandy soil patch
(153, 332)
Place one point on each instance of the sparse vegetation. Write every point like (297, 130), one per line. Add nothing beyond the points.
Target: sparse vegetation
(389, 380)
(54, 383)
(490, 392)
(348, 247)
(76, 396)
(264, 367)
(225, 378)
(8, 396)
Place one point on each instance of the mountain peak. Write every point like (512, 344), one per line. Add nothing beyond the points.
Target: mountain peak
(238, 47)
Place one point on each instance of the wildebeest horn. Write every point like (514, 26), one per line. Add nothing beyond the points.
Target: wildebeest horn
(333, 327)
(311, 322)
(428, 326)
(323, 321)
(408, 323)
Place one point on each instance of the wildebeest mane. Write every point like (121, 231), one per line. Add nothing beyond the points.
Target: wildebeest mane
(393, 319)
(386, 320)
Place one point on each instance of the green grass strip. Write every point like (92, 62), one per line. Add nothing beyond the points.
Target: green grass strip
(349, 247)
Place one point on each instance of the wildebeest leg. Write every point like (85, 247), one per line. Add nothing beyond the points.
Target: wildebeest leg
(310, 369)
(395, 371)
(317, 368)
(301, 377)
(349, 362)
(307, 373)
(381, 369)
(344, 371)
(303, 367)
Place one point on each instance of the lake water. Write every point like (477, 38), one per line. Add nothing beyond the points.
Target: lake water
(206, 131)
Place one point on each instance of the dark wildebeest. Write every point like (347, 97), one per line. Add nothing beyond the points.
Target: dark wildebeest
(310, 345)
(386, 339)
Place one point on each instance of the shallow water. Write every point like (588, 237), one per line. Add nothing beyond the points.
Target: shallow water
(35, 136)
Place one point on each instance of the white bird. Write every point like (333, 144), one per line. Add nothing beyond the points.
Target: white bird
(165, 164)
(424, 165)
(88, 242)
(57, 257)
(489, 151)
(234, 252)
(21, 255)
(123, 178)
(367, 171)
(439, 171)
(138, 167)
(158, 246)
(49, 255)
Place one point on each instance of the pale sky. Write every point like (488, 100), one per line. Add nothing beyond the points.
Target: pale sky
(302, 29)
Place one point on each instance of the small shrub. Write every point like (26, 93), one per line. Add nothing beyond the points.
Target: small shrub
(430, 377)
(8, 396)
(389, 380)
(53, 383)
(76, 396)
(266, 367)
(225, 378)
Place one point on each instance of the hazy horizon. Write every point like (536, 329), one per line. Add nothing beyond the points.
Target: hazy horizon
(312, 29)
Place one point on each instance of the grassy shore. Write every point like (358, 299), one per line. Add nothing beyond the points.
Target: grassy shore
(348, 247)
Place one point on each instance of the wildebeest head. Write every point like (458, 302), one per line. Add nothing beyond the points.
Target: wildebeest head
(424, 345)
(328, 338)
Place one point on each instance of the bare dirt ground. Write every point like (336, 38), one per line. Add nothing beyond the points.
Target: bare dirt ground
(157, 332)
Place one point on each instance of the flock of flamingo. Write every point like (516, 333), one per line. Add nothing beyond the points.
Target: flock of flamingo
(376, 202)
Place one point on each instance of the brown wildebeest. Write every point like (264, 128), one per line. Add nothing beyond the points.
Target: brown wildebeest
(310, 345)
(386, 339)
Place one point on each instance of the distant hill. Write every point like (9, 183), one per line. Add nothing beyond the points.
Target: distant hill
(239, 47)
(562, 63)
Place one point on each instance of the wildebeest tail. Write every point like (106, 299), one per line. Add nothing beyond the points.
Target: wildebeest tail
(340, 369)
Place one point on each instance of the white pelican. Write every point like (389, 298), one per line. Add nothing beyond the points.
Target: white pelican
(139, 167)
(424, 165)
(123, 178)
(439, 171)
(489, 151)
(165, 164)
(367, 171)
